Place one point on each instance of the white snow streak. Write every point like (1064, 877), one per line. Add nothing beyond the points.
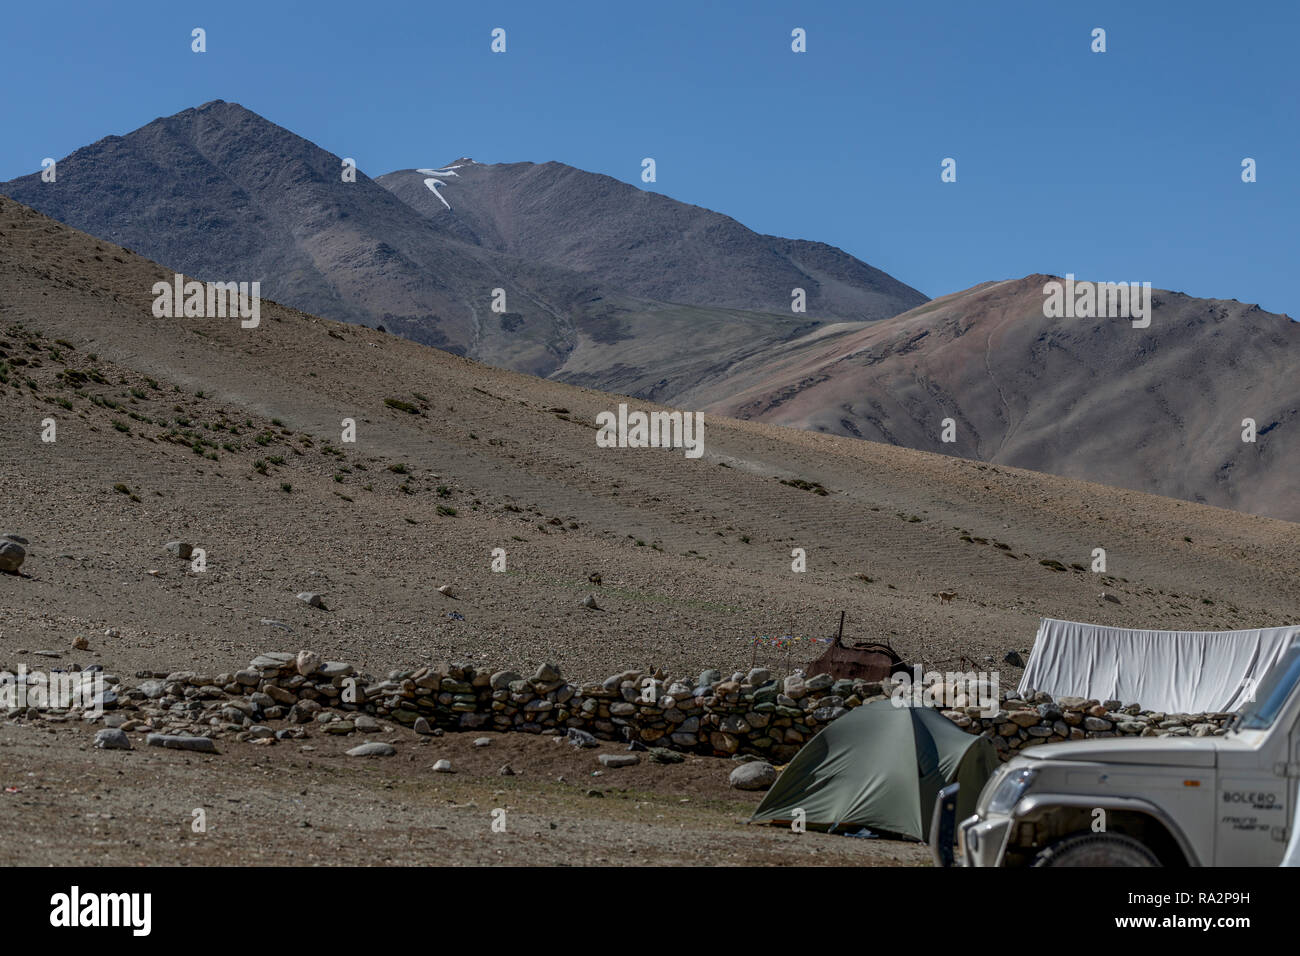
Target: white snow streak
(433, 183)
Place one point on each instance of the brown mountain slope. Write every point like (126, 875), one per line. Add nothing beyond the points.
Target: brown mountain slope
(230, 439)
(644, 243)
(1157, 409)
(221, 193)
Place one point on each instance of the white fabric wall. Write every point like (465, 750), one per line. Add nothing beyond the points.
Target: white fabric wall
(1179, 672)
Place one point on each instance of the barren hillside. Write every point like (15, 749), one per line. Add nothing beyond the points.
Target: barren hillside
(1158, 409)
(230, 438)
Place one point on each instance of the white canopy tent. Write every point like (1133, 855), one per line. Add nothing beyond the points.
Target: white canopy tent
(1179, 672)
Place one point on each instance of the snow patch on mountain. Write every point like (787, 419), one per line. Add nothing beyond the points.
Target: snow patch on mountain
(433, 182)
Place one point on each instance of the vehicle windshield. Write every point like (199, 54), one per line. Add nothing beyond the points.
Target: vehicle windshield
(1272, 692)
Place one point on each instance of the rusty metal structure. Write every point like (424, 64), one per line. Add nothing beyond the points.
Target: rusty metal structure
(869, 661)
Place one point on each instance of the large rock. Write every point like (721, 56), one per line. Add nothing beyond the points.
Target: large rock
(12, 555)
(755, 775)
(180, 549)
(202, 745)
(376, 748)
(271, 661)
(112, 739)
(818, 682)
(614, 761)
(502, 680)
(312, 598)
(547, 674)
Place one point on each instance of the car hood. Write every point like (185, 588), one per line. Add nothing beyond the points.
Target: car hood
(1167, 751)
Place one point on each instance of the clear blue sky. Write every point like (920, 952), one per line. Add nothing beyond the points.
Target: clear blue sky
(1116, 166)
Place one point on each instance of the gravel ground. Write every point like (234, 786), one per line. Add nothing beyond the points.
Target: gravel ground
(308, 804)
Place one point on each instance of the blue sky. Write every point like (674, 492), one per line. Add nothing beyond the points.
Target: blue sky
(1124, 165)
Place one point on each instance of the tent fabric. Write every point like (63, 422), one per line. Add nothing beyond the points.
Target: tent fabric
(880, 766)
(1179, 672)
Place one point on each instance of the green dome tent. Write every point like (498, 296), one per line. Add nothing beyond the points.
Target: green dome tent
(880, 766)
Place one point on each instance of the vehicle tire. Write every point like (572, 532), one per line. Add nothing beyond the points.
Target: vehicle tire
(1096, 849)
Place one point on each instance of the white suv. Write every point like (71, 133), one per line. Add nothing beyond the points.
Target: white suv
(1148, 801)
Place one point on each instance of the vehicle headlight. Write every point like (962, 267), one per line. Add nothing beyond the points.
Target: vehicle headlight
(1011, 788)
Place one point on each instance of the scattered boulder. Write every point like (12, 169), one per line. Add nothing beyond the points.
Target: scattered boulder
(614, 761)
(447, 591)
(443, 766)
(589, 602)
(375, 748)
(180, 549)
(1014, 659)
(79, 643)
(664, 755)
(113, 738)
(312, 598)
(754, 775)
(202, 745)
(12, 555)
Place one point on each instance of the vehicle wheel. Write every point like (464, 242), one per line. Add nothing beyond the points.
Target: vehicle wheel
(1096, 849)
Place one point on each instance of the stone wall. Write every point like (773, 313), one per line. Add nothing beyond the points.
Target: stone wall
(751, 713)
